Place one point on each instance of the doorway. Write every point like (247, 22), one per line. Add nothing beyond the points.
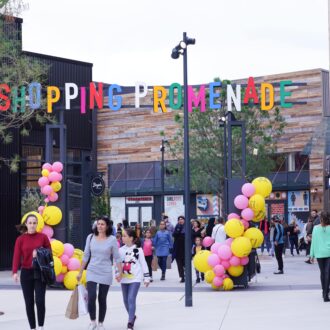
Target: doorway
(141, 214)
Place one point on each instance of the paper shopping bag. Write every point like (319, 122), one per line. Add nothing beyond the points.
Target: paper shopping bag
(154, 264)
(72, 308)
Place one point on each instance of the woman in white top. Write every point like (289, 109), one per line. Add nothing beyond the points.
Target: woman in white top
(134, 271)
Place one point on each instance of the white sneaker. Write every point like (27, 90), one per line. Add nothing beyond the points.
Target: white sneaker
(92, 326)
(100, 327)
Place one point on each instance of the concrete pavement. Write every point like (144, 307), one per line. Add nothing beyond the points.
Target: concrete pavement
(289, 301)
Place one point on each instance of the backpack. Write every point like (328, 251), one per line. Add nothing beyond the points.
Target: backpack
(45, 262)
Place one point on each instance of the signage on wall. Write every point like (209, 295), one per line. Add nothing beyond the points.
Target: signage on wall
(140, 200)
(207, 205)
(97, 185)
(174, 207)
(298, 201)
(93, 96)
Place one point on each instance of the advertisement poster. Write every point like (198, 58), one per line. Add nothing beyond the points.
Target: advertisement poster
(298, 201)
(207, 205)
(174, 207)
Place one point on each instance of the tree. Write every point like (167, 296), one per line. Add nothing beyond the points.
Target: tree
(101, 205)
(17, 70)
(31, 200)
(206, 139)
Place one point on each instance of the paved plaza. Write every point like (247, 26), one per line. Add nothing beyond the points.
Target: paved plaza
(291, 301)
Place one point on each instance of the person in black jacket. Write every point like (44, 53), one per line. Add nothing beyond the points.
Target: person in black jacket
(209, 227)
(178, 247)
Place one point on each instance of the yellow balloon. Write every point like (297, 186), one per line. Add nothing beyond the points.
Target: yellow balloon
(57, 247)
(216, 288)
(83, 277)
(56, 186)
(70, 279)
(64, 269)
(235, 270)
(209, 276)
(79, 254)
(234, 228)
(52, 215)
(228, 284)
(263, 186)
(200, 261)
(241, 247)
(257, 203)
(41, 222)
(45, 173)
(255, 235)
(259, 216)
(57, 265)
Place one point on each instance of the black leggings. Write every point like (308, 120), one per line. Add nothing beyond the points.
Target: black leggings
(278, 254)
(324, 265)
(149, 263)
(102, 298)
(34, 291)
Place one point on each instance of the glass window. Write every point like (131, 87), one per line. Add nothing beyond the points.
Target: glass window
(280, 163)
(301, 162)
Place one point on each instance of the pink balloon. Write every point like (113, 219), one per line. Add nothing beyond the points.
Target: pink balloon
(208, 241)
(60, 177)
(228, 241)
(48, 230)
(244, 261)
(68, 249)
(73, 264)
(233, 216)
(225, 276)
(47, 190)
(57, 166)
(241, 202)
(225, 264)
(53, 197)
(224, 252)
(215, 247)
(47, 166)
(54, 176)
(46, 200)
(65, 259)
(247, 214)
(41, 209)
(245, 224)
(213, 260)
(235, 261)
(219, 270)
(217, 281)
(43, 181)
(248, 189)
(60, 278)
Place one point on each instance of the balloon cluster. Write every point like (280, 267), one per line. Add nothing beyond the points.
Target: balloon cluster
(50, 181)
(227, 259)
(67, 259)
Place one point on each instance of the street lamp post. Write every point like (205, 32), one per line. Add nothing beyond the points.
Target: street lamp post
(162, 149)
(181, 49)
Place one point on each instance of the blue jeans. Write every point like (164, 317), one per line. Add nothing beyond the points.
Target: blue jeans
(162, 263)
(130, 292)
(267, 241)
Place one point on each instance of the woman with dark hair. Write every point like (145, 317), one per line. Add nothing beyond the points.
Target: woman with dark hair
(134, 271)
(196, 231)
(320, 250)
(209, 227)
(34, 290)
(100, 247)
(179, 246)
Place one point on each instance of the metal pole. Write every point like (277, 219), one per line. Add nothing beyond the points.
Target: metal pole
(188, 279)
(162, 174)
(225, 168)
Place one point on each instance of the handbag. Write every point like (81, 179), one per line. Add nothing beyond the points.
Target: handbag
(72, 308)
(82, 300)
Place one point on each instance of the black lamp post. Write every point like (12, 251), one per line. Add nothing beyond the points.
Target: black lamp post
(162, 149)
(181, 49)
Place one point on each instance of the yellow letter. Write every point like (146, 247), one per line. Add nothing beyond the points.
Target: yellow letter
(161, 99)
(264, 87)
(52, 99)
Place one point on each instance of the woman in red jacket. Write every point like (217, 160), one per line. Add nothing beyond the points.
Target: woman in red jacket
(25, 250)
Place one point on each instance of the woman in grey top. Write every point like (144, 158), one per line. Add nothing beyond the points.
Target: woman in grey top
(100, 246)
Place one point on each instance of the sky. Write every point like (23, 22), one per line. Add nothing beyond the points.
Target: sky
(130, 41)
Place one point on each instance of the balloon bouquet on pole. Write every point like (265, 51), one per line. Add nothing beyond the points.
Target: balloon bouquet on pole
(67, 259)
(226, 260)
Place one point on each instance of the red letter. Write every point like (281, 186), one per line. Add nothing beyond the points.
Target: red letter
(95, 95)
(251, 92)
(5, 98)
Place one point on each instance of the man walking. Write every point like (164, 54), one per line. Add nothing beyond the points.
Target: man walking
(279, 244)
(218, 232)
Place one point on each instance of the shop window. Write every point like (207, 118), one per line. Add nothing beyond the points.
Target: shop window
(280, 163)
(301, 162)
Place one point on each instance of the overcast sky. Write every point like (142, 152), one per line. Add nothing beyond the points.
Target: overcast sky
(129, 41)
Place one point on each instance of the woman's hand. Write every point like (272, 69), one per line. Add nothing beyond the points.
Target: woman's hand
(119, 277)
(34, 253)
(15, 277)
(146, 284)
(79, 276)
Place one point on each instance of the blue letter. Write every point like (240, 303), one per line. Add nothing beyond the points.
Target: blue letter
(118, 99)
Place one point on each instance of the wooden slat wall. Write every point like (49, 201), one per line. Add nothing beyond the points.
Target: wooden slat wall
(133, 135)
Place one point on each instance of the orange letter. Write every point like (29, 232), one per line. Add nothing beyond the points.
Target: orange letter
(52, 99)
(161, 99)
(264, 87)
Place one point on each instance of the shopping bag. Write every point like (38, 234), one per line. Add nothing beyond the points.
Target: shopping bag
(72, 308)
(82, 300)
(154, 264)
(169, 262)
